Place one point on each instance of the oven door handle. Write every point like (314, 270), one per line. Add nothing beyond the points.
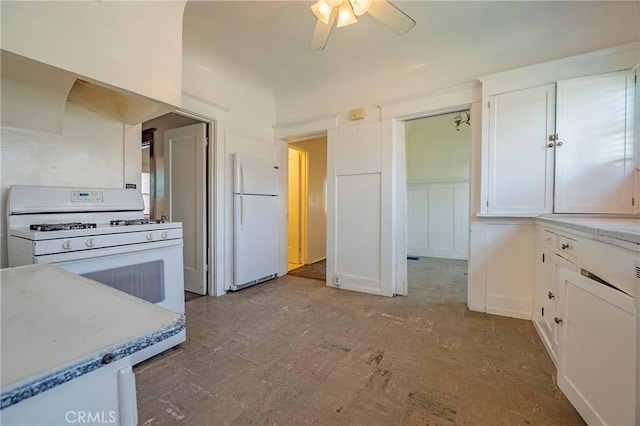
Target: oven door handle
(104, 252)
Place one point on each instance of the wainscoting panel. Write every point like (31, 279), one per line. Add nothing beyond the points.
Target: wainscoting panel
(438, 219)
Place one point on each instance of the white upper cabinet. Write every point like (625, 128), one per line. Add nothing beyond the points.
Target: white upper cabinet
(520, 160)
(564, 151)
(594, 151)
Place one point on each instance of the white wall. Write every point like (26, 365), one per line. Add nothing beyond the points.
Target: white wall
(116, 43)
(438, 158)
(317, 206)
(94, 149)
(356, 178)
(245, 114)
(506, 291)
(436, 151)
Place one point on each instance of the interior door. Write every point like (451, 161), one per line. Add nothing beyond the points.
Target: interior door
(185, 164)
(294, 207)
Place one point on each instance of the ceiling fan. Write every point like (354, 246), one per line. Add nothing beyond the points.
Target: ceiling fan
(344, 12)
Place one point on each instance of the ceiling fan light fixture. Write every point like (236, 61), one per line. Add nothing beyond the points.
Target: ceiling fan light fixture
(322, 10)
(360, 7)
(345, 15)
(334, 3)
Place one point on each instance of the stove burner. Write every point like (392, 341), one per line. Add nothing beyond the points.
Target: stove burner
(61, 226)
(123, 222)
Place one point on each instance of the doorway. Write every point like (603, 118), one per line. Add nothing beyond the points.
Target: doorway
(307, 208)
(438, 158)
(178, 174)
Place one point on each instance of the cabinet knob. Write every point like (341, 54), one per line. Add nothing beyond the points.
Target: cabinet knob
(550, 295)
(550, 145)
(565, 246)
(558, 320)
(559, 143)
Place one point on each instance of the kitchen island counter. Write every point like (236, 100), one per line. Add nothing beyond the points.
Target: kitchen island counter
(58, 327)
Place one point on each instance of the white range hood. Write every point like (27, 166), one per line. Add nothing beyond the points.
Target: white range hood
(44, 91)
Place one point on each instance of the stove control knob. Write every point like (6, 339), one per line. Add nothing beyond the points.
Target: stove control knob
(66, 245)
(90, 242)
(165, 235)
(150, 236)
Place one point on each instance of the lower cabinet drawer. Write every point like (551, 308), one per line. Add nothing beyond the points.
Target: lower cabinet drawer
(567, 246)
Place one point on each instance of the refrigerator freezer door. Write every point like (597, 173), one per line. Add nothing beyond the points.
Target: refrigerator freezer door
(254, 175)
(255, 239)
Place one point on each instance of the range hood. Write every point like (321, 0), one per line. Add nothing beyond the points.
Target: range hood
(43, 92)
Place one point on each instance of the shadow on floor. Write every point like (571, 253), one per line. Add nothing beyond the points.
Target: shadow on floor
(315, 271)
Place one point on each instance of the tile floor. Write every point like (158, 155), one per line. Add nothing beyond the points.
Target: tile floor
(292, 351)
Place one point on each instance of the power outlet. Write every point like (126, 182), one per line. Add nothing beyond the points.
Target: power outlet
(337, 280)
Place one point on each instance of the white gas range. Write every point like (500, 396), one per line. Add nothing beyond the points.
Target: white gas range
(102, 234)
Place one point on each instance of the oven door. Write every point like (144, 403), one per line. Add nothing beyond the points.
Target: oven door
(155, 275)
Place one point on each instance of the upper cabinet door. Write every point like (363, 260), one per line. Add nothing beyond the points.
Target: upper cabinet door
(520, 155)
(594, 151)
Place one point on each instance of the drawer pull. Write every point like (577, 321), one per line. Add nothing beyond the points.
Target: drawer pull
(558, 320)
(550, 295)
(565, 246)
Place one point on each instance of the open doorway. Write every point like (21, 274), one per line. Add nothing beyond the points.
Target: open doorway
(175, 165)
(438, 158)
(307, 208)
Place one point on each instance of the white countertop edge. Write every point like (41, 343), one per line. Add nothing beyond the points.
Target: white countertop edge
(595, 229)
(34, 386)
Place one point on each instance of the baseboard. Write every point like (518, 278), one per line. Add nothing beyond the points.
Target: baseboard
(359, 284)
(545, 342)
(509, 306)
(440, 254)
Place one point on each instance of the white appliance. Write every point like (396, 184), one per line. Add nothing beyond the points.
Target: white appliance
(102, 234)
(255, 221)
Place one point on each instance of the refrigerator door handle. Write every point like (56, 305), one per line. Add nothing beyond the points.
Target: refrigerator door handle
(241, 178)
(241, 210)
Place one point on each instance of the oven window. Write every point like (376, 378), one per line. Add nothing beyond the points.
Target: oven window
(143, 280)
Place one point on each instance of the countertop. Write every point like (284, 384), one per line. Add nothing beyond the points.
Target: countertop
(57, 326)
(624, 229)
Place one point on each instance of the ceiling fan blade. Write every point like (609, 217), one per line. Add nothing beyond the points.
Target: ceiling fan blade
(391, 16)
(321, 33)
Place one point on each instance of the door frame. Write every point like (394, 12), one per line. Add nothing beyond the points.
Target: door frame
(290, 133)
(403, 160)
(214, 219)
(402, 284)
(394, 114)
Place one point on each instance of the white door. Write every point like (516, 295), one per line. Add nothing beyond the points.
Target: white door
(520, 155)
(185, 162)
(594, 152)
(294, 206)
(256, 256)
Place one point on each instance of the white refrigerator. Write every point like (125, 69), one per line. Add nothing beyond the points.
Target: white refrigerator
(255, 221)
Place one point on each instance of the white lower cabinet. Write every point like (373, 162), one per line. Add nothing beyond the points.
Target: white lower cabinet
(104, 396)
(548, 293)
(597, 350)
(585, 317)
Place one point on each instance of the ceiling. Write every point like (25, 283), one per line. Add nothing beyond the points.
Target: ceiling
(452, 43)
